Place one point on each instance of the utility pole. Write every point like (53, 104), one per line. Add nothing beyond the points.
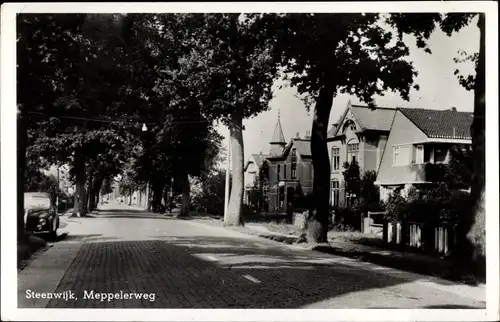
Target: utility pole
(228, 169)
(57, 191)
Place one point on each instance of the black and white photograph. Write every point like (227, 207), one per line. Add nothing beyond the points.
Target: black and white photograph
(275, 158)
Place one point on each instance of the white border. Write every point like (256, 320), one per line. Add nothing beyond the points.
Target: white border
(8, 162)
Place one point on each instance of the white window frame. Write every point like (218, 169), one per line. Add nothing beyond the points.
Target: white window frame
(353, 150)
(333, 192)
(419, 153)
(335, 159)
(395, 154)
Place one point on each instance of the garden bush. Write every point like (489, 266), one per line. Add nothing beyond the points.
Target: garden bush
(345, 219)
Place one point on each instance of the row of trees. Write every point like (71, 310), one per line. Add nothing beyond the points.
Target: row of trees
(90, 77)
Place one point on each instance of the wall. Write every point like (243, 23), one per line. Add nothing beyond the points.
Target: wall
(337, 174)
(403, 131)
(369, 148)
(250, 174)
(304, 175)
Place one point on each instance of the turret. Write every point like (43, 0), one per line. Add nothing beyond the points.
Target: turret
(277, 143)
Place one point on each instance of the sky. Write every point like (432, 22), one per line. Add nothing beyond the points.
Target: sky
(439, 89)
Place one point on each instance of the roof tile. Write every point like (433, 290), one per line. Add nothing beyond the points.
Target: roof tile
(379, 118)
(445, 124)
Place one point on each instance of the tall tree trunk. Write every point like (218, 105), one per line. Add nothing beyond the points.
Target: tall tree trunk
(79, 207)
(317, 221)
(476, 235)
(140, 197)
(166, 200)
(22, 137)
(90, 194)
(148, 197)
(186, 195)
(97, 192)
(157, 195)
(130, 194)
(234, 210)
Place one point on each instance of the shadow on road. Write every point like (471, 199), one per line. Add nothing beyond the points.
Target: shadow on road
(218, 272)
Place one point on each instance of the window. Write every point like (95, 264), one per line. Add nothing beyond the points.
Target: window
(395, 155)
(440, 154)
(352, 152)
(294, 163)
(278, 172)
(335, 158)
(419, 154)
(401, 155)
(428, 154)
(334, 193)
(284, 171)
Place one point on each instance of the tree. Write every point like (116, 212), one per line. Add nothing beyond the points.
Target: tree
(44, 45)
(474, 249)
(234, 76)
(211, 198)
(369, 192)
(352, 179)
(69, 54)
(327, 54)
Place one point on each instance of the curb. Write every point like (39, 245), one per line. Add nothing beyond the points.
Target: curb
(372, 257)
(476, 293)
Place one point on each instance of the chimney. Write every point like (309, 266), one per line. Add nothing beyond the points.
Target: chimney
(453, 109)
(297, 135)
(308, 135)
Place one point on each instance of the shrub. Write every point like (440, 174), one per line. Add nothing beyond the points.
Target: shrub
(346, 219)
(395, 207)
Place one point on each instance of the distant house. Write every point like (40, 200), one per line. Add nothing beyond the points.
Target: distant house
(251, 172)
(418, 137)
(287, 166)
(360, 134)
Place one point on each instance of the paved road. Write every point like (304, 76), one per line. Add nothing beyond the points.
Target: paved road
(173, 263)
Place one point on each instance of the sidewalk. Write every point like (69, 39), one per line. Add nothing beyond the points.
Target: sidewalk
(442, 268)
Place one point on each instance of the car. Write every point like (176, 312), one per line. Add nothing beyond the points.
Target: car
(40, 215)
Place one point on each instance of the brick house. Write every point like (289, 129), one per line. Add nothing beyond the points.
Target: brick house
(287, 166)
(360, 134)
(419, 137)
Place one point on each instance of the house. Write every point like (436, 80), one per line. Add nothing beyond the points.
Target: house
(251, 172)
(419, 137)
(360, 134)
(285, 168)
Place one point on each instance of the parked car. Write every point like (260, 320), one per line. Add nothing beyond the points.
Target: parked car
(40, 216)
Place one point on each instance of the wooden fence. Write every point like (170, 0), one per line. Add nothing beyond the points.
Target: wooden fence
(439, 239)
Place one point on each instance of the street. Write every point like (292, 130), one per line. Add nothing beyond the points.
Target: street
(173, 263)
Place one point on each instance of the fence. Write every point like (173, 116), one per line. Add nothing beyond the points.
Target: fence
(439, 239)
(371, 226)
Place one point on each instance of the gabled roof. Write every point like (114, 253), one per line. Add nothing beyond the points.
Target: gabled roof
(443, 124)
(258, 158)
(378, 119)
(332, 131)
(302, 146)
(278, 136)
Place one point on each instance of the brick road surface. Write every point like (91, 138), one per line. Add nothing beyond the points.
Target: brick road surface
(190, 265)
